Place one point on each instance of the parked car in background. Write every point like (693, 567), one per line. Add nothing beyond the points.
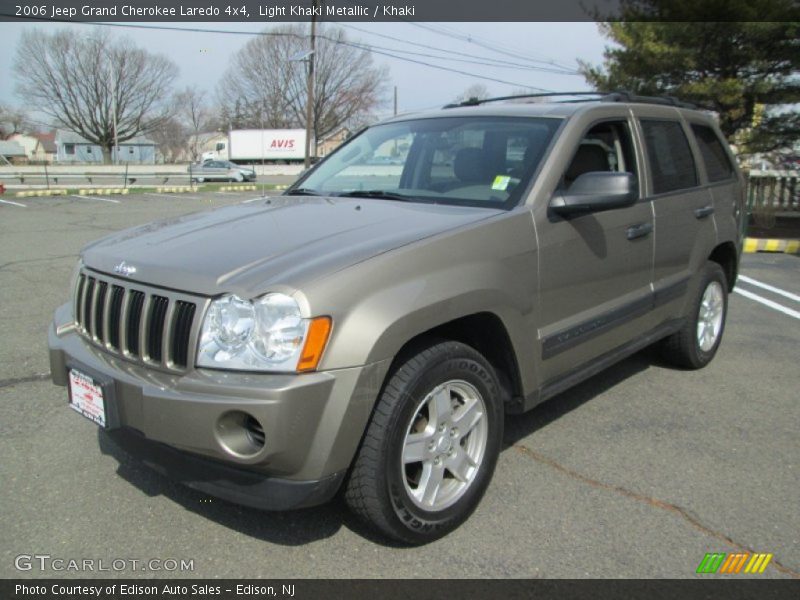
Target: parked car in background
(220, 170)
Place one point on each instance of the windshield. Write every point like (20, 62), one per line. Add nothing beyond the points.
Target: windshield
(470, 161)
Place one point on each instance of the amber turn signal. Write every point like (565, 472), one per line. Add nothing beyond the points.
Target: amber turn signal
(317, 337)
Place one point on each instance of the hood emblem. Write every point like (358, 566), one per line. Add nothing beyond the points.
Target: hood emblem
(125, 269)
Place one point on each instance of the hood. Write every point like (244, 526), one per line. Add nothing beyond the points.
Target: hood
(246, 248)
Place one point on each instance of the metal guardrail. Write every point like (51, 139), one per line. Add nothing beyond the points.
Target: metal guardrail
(123, 177)
(770, 193)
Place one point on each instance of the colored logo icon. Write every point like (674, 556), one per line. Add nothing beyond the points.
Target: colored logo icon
(735, 562)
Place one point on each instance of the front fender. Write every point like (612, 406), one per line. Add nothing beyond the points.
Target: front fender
(379, 305)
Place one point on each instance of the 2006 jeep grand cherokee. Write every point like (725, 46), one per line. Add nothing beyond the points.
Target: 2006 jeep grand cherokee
(369, 329)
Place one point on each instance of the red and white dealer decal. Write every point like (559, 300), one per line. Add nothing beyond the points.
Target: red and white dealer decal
(87, 397)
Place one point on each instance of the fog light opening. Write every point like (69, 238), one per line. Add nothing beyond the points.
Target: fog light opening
(240, 434)
(254, 431)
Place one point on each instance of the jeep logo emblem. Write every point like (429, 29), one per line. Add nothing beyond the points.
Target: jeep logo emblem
(125, 269)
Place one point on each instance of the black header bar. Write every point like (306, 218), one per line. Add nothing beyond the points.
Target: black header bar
(274, 11)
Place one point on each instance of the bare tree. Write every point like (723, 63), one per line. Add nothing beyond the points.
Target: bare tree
(477, 91)
(172, 139)
(196, 117)
(12, 120)
(89, 83)
(265, 87)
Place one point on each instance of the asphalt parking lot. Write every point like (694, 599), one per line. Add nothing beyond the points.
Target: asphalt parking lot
(638, 472)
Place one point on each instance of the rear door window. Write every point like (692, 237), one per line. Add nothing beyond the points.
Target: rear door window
(670, 157)
(715, 158)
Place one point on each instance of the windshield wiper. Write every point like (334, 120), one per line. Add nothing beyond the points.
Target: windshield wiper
(302, 192)
(375, 194)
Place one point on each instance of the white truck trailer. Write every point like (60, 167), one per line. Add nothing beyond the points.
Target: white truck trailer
(254, 145)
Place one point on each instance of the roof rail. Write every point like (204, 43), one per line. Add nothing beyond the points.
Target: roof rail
(479, 101)
(616, 96)
(625, 96)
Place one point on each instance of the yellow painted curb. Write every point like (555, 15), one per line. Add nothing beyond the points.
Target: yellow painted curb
(102, 191)
(176, 189)
(752, 245)
(40, 193)
(238, 188)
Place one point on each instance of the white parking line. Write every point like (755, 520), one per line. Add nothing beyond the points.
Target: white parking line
(769, 303)
(770, 288)
(95, 198)
(171, 195)
(100, 198)
(14, 203)
(255, 199)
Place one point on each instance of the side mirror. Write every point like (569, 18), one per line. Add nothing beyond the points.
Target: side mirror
(595, 191)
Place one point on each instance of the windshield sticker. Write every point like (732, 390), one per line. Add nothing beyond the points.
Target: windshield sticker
(501, 182)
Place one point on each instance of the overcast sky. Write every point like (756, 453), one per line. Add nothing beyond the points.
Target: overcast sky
(202, 57)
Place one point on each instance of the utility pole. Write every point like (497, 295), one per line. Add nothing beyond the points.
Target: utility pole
(310, 96)
(111, 79)
(394, 152)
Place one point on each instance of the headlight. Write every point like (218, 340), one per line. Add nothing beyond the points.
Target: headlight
(267, 334)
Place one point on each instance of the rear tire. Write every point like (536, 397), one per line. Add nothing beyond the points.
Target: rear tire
(431, 447)
(696, 343)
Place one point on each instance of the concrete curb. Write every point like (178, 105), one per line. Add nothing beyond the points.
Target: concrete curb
(248, 188)
(237, 188)
(180, 189)
(753, 245)
(103, 191)
(41, 193)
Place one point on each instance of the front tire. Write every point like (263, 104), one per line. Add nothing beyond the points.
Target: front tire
(431, 446)
(696, 343)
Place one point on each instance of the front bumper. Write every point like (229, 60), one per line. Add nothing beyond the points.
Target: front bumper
(220, 480)
(185, 424)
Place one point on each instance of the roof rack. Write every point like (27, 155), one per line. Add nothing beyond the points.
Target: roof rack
(625, 96)
(479, 101)
(616, 96)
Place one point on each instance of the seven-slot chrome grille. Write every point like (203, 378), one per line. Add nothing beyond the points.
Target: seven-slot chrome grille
(152, 326)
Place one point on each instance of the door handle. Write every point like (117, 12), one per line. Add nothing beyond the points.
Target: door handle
(640, 230)
(702, 213)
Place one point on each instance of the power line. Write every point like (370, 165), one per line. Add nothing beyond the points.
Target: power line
(489, 46)
(441, 68)
(465, 61)
(484, 43)
(284, 34)
(496, 61)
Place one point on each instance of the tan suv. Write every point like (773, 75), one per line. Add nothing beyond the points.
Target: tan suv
(368, 330)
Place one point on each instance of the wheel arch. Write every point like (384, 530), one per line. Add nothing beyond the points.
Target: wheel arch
(483, 331)
(725, 256)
